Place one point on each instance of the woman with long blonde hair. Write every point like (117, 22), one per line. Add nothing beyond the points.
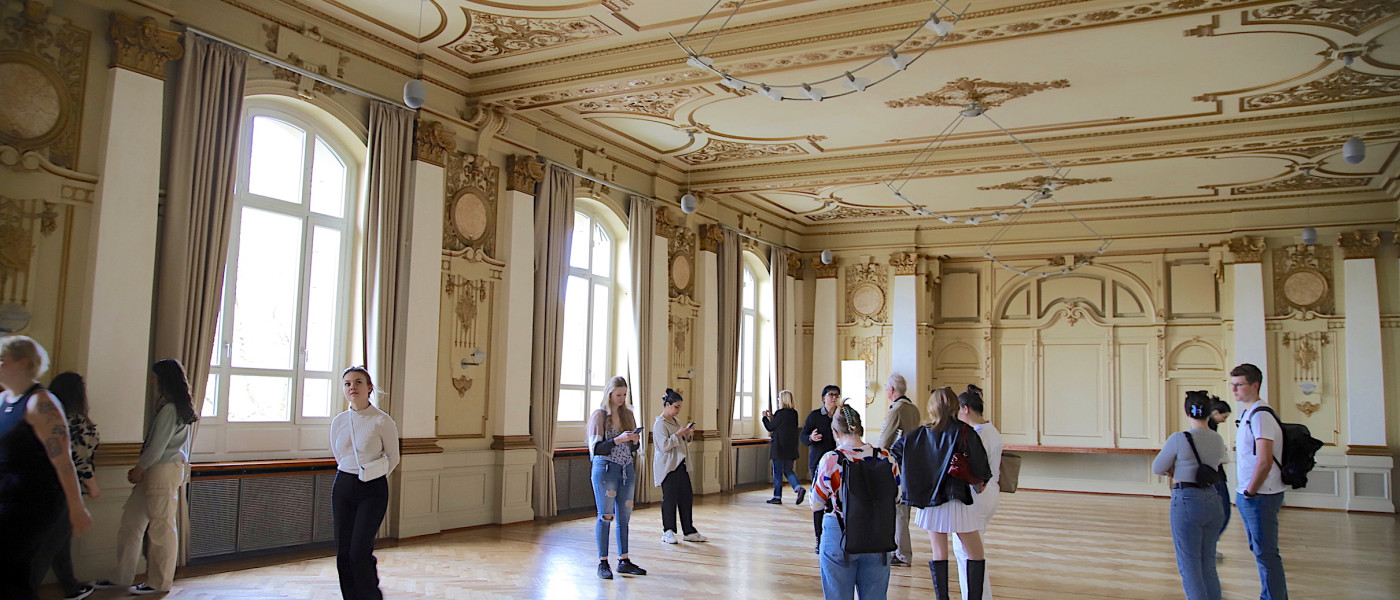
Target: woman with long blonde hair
(613, 440)
(945, 501)
(782, 447)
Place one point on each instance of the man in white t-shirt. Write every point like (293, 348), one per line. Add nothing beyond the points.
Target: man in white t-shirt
(1258, 455)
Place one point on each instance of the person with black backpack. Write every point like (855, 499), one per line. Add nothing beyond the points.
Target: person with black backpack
(1258, 449)
(1193, 458)
(943, 463)
(856, 486)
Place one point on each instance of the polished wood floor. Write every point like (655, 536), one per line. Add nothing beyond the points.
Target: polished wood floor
(1043, 545)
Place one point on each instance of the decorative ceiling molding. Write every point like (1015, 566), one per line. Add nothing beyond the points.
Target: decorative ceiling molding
(490, 37)
(1359, 244)
(847, 212)
(963, 91)
(1340, 86)
(1299, 183)
(660, 103)
(717, 151)
(1247, 249)
(1037, 182)
(1351, 16)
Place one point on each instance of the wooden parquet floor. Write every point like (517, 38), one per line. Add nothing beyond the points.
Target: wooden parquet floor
(1042, 545)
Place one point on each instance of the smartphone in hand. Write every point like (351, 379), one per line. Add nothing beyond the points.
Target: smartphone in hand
(692, 424)
(637, 430)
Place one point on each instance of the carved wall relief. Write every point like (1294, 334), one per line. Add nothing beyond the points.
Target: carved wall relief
(867, 293)
(1307, 367)
(868, 349)
(681, 253)
(464, 347)
(20, 220)
(1303, 280)
(43, 61)
(469, 219)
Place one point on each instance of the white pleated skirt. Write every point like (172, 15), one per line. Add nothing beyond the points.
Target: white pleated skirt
(950, 517)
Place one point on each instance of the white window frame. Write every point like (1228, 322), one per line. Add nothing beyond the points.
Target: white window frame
(571, 433)
(747, 404)
(296, 436)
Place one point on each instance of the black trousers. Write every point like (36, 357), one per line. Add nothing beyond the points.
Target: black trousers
(816, 515)
(357, 508)
(25, 523)
(676, 493)
(57, 550)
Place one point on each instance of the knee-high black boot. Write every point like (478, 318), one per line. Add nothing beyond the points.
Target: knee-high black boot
(976, 574)
(939, 568)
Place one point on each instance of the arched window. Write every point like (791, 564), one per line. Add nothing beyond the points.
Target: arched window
(284, 325)
(590, 317)
(755, 342)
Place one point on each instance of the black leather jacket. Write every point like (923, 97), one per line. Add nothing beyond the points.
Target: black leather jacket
(923, 457)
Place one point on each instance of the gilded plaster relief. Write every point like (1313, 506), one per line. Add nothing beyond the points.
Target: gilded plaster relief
(489, 37)
(867, 293)
(661, 103)
(1307, 367)
(1351, 16)
(964, 91)
(465, 342)
(681, 326)
(469, 224)
(1303, 280)
(681, 253)
(143, 46)
(1302, 182)
(43, 60)
(1340, 86)
(1036, 182)
(848, 212)
(718, 151)
(20, 221)
(867, 349)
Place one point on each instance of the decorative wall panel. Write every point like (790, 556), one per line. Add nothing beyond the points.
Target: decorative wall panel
(469, 215)
(867, 293)
(43, 66)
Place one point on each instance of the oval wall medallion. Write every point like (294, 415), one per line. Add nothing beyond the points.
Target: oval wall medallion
(868, 299)
(680, 272)
(469, 216)
(34, 101)
(1305, 288)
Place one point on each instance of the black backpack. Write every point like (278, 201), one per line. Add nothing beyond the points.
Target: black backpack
(868, 497)
(1299, 449)
(1204, 475)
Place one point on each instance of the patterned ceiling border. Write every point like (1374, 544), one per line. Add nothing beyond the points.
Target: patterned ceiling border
(1298, 183)
(1127, 155)
(847, 212)
(718, 151)
(1050, 24)
(1340, 86)
(1351, 16)
(1036, 182)
(491, 37)
(964, 91)
(656, 103)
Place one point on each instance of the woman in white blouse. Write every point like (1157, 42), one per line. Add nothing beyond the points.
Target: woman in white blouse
(365, 443)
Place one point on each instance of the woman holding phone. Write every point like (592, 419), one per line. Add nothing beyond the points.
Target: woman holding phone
(672, 444)
(613, 439)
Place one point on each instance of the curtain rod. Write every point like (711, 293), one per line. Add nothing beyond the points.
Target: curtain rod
(619, 188)
(290, 67)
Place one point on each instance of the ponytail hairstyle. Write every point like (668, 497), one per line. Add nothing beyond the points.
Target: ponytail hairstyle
(671, 397)
(847, 421)
(1198, 404)
(972, 399)
(174, 388)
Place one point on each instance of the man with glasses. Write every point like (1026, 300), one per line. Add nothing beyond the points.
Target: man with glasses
(816, 435)
(1258, 449)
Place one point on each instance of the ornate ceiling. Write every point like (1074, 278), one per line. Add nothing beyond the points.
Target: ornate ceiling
(1172, 106)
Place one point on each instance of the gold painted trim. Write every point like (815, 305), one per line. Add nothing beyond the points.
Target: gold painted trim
(142, 46)
(117, 455)
(1359, 244)
(1365, 450)
(442, 20)
(418, 446)
(512, 442)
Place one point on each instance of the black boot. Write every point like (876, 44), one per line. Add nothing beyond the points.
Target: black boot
(976, 574)
(939, 568)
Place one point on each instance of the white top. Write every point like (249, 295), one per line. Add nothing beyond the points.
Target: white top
(1257, 426)
(375, 435)
(991, 440)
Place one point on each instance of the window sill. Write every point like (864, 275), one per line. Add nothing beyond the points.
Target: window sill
(260, 468)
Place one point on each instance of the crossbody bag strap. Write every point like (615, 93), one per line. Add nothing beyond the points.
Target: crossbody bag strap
(353, 449)
(1192, 442)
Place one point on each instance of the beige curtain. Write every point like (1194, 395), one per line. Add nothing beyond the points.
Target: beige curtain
(554, 226)
(198, 215)
(385, 255)
(199, 205)
(641, 228)
(729, 282)
(777, 274)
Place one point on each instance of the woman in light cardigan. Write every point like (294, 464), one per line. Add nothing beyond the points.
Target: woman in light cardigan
(359, 436)
(672, 445)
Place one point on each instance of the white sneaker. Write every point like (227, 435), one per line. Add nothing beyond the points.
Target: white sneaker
(695, 537)
(669, 537)
(143, 589)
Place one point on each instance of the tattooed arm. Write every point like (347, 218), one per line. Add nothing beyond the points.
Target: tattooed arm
(51, 427)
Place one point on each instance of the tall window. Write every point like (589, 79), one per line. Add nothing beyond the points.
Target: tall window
(589, 308)
(283, 327)
(749, 381)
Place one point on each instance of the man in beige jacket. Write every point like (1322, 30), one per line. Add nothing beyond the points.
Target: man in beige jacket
(901, 418)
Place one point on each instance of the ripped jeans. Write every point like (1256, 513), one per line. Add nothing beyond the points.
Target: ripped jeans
(613, 485)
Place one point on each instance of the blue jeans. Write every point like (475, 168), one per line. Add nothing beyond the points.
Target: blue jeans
(1222, 487)
(781, 469)
(1260, 517)
(612, 482)
(1196, 518)
(843, 574)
